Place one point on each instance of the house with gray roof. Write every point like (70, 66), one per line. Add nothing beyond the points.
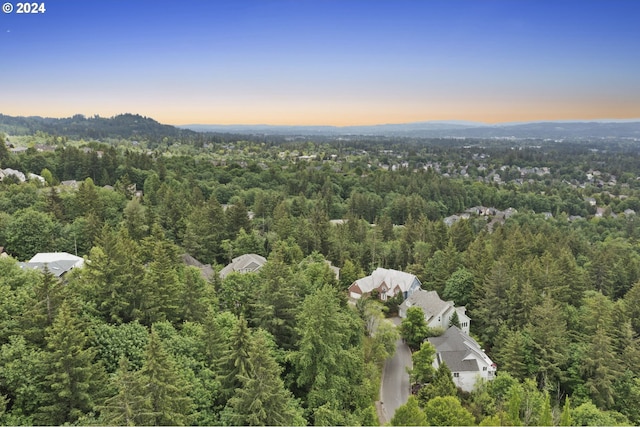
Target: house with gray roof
(206, 270)
(388, 283)
(247, 263)
(464, 357)
(57, 263)
(437, 313)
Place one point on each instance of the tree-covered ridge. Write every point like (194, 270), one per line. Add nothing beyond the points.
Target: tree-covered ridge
(79, 126)
(553, 300)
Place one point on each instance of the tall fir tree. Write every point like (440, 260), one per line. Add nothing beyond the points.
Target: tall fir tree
(166, 390)
(73, 381)
(263, 398)
(130, 406)
(235, 361)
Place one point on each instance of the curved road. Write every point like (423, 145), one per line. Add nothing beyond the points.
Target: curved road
(395, 388)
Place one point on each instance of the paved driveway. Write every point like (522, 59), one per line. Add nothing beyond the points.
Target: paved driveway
(395, 388)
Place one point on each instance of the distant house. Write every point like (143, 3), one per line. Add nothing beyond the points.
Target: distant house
(70, 183)
(388, 283)
(205, 269)
(58, 263)
(464, 357)
(247, 263)
(437, 312)
(12, 172)
(36, 177)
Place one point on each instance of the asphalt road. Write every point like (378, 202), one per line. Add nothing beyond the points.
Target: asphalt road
(395, 388)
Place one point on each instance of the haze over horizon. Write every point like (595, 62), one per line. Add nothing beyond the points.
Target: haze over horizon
(310, 63)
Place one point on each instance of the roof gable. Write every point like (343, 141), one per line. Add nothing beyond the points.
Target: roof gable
(458, 350)
(428, 301)
(391, 278)
(244, 263)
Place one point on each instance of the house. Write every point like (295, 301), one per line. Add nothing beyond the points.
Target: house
(70, 183)
(12, 172)
(437, 312)
(464, 357)
(205, 269)
(247, 263)
(58, 263)
(388, 283)
(36, 177)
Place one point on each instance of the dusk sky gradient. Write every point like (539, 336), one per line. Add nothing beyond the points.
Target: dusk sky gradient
(324, 62)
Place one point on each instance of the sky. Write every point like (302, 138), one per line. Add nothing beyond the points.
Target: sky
(323, 62)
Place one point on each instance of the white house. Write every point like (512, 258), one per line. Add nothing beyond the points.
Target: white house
(58, 263)
(387, 282)
(464, 357)
(247, 263)
(437, 313)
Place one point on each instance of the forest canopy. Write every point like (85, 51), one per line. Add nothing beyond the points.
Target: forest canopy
(538, 239)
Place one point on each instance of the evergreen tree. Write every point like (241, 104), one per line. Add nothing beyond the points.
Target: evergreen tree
(54, 204)
(235, 362)
(546, 418)
(135, 219)
(262, 398)
(237, 218)
(21, 377)
(461, 234)
(329, 362)
(565, 417)
(194, 299)
(88, 199)
(441, 385)
(130, 406)
(600, 369)
(276, 303)
(455, 320)
(41, 309)
(205, 231)
(349, 273)
(73, 381)
(548, 334)
(4, 151)
(161, 286)
(163, 386)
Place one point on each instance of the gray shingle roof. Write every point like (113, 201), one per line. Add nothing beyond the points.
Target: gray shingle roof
(458, 350)
(57, 268)
(244, 263)
(428, 301)
(392, 278)
(205, 269)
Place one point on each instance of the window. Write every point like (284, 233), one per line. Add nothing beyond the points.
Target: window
(484, 368)
(456, 374)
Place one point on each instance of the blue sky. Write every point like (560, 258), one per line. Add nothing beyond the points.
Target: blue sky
(324, 62)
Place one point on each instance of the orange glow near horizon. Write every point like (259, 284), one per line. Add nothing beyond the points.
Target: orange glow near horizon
(346, 114)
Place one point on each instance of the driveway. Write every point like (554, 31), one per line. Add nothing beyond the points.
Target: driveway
(395, 388)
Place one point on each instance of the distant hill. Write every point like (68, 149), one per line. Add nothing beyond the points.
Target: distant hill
(133, 126)
(545, 130)
(79, 126)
